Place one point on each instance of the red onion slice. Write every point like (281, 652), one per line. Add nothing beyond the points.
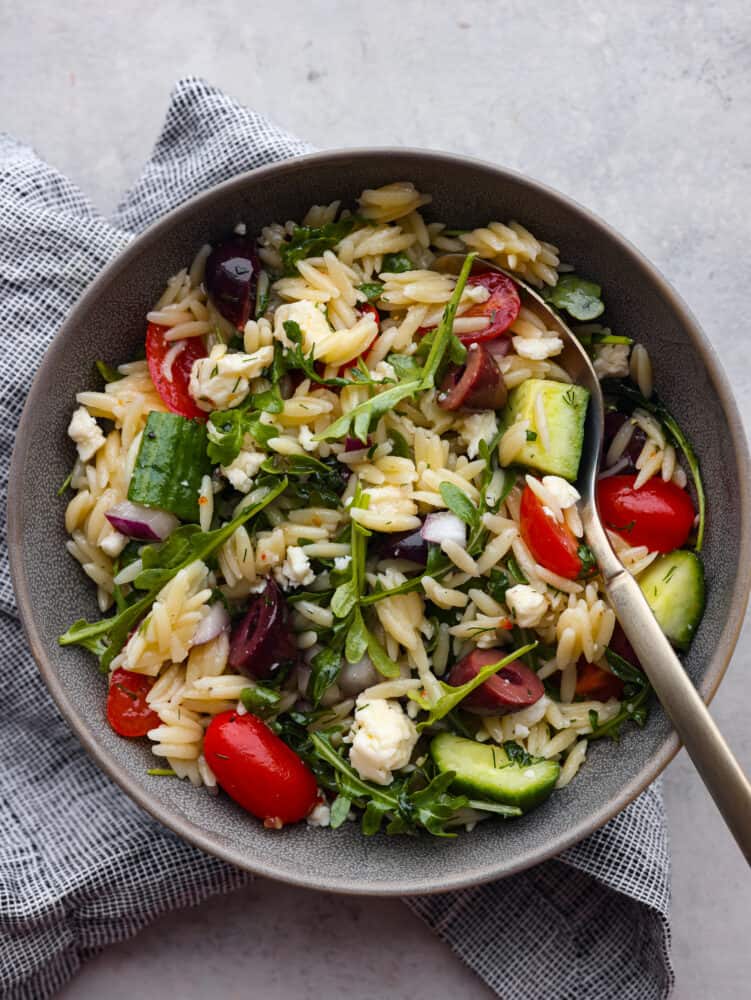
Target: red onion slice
(212, 625)
(146, 524)
(444, 527)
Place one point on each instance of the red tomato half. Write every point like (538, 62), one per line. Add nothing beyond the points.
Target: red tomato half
(258, 770)
(127, 709)
(659, 515)
(552, 543)
(592, 682)
(174, 392)
(502, 307)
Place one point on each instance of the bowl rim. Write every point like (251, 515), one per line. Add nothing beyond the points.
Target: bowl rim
(172, 818)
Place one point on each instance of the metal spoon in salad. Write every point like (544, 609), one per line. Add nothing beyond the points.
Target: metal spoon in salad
(684, 707)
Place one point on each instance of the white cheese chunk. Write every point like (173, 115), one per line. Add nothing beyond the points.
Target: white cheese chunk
(295, 571)
(241, 471)
(222, 380)
(382, 737)
(86, 432)
(537, 348)
(526, 604)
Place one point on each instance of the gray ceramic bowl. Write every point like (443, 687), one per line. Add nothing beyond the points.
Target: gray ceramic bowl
(108, 323)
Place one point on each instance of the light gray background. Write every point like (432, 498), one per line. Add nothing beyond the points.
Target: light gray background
(640, 111)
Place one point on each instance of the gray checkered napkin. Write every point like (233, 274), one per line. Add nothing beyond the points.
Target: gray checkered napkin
(85, 868)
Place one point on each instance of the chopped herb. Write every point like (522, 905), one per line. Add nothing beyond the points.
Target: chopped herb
(161, 772)
(312, 241)
(594, 719)
(396, 263)
(340, 808)
(531, 435)
(371, 290)
(65, 483)
(587, 559)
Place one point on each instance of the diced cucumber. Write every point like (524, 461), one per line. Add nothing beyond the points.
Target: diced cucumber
(674, 587)
(565, 409)
(170, 464)
(485, 771)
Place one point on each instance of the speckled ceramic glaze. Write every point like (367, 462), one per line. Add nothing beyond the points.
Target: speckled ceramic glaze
(108, 323)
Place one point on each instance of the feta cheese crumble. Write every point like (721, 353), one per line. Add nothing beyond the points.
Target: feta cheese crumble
(295, 571)
(86, 432)
(241, 471)
(477, 427)
(222, 380)
(537, 348)
(611, 360)
(382, 737)
(526, 604)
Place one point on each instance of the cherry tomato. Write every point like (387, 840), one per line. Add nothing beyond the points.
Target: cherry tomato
(368, 309)
(659, 515)
(258, 770)
(502, 307)
(127, 709)
(174, 392)
(552, 543)
(594, 683)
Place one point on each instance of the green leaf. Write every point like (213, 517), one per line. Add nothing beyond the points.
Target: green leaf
(655, 406)
(406, 366)
(108, 373)
(340, 808)
(495, 807)
(260, 700)
(356, 645)
(443, 336)
(226, 430)
(624, 670)
(161, 563)
(371, 289)
(65, 483)
(635, 708)
(400, 448)
(371, 410)
(269, 401)
(396, 263)
(311, 241)
(325, 668)
(170, 465)
(577, 296)
(459, 503)
(588, 561)
(380, 658)
(515, 570)
(452, 696)
(497, 585)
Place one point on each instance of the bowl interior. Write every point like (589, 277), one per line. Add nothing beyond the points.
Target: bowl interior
(109, 324)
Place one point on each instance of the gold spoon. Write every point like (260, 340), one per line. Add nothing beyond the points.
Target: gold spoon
(703, 741)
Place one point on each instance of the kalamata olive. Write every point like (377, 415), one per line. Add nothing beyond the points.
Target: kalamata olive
(404, 545)
(262, 642)
(231, 276)
(478, 385)
(622, 647)
(355, 677)
(613, 423)
(511, 689)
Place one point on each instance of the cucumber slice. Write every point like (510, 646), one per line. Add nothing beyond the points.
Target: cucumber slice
(485, 771)
(170, 465)
(674, 588)
(565, 408)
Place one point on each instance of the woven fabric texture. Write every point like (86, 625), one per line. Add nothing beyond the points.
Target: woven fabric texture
(81, 866)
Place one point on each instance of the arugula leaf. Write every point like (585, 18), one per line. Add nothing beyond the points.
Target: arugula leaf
(226, 430)
(443, 338)
(624, 670)
(517, 754)
(260, 700)
(269, 401)
(515, 570)
(399, 446)
(325, 668)
(108, 373)
(286, 358)
(459, 503)
(356, 645)
(371, 289)
(451, 696)
(579, 297)
(369, 412)
(161, 563)
(497, 585)
(340, 808)
(657, 408)
(347, 594)
(311, 241)
(429, 808)
(380, 658)
(396, 263)
(635, 709)
(406, 366)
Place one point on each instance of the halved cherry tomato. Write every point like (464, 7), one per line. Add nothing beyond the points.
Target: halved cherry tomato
(174, 391)
(595, 683)
(258, 770)
(659, 515)
(128, 712)
(501, 308)
(552, 543)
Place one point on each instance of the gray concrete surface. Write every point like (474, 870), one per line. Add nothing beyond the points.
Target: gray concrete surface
(641, 111)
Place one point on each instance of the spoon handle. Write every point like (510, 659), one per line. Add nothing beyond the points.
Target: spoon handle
(706, 747)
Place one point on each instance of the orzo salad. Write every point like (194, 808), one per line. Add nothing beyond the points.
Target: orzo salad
(330, 514)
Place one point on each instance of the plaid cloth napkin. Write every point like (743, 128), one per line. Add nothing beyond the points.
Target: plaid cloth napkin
(81, 866)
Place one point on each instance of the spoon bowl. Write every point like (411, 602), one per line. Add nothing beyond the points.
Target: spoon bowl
(705, 744)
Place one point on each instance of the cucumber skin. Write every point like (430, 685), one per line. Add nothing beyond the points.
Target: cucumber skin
(446, 747)
(170, 465)
(565, 422)
(679, 603)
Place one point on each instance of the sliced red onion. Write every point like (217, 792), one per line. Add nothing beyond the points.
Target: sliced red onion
(147, 524)
(215, 622)
(444, 527)
(355, 444)
(499, 347)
